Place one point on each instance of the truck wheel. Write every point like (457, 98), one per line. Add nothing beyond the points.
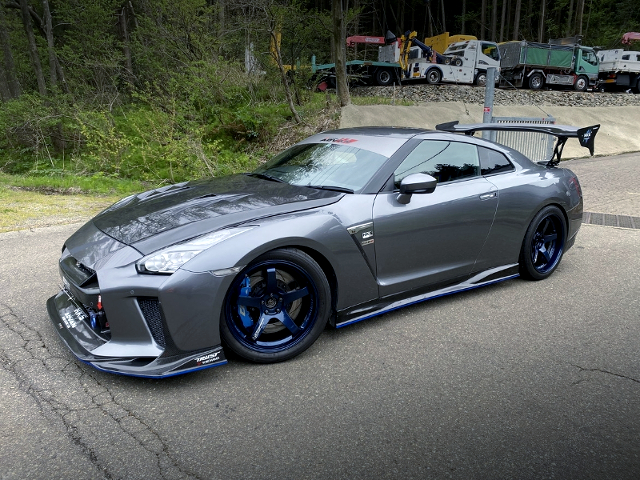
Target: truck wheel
(637, 90)
(481, 79)
(434, 76)
(536, 81)
(384, 77)
(457, 62)
(581, 84)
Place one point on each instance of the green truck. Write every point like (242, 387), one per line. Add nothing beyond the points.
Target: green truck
(534, 65)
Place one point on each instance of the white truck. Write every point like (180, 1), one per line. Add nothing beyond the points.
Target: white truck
(464, 62)
(619, 70)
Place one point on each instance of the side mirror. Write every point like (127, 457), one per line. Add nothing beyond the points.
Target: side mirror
(415, 183)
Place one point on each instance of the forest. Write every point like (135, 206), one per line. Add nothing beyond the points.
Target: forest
(166, 90)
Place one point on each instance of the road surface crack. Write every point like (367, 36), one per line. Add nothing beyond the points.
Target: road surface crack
(600, 370)
(61, 395)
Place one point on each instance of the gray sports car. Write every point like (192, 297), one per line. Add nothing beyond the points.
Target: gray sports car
(342, 226)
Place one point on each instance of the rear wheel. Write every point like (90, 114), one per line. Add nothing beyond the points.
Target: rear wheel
(543, 244)
(434, 76)
(276, 308)
(581, 84)
(536, 81)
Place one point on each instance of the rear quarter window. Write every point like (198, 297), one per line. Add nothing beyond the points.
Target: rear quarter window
(493, 162)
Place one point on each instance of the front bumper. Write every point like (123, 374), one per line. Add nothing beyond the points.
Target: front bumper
(120, 321)
(71, 321)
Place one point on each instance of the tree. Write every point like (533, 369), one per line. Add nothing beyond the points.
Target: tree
(33, 49)
(9, 86)
(337, 16)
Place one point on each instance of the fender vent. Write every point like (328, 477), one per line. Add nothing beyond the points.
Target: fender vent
(610, 220)
(150, 307)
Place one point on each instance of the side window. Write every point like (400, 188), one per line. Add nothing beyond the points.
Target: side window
(491, 50)
(492, 162)
(445, 161)
(625, 57)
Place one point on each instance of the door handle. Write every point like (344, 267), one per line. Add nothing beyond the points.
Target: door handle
(487, 196)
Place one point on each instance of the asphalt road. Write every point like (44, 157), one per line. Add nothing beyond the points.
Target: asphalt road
(517, 380)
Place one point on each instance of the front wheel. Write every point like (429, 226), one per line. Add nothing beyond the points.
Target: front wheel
(481, 79)
(434, 76)
(543, 244)
(276, 307)
(581, 84)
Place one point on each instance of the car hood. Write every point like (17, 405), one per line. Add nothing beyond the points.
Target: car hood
(161, 217)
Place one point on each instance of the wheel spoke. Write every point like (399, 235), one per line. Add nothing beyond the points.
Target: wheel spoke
(272, 284)
(259, 328)
(545, 225)
(293, 295)
(550, 238)
(535, 256)
(546, 254)
(288, 322)
(248, 301)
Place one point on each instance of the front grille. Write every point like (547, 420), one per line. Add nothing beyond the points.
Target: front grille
(150, 307)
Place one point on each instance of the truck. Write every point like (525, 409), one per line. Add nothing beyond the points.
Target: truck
(534, 65)
(620, 69)
(464, 62)
(408, 59)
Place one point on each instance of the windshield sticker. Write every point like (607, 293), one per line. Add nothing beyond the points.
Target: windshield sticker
(338, 140)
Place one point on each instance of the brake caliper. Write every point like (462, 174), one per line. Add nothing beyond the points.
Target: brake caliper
(245, 291)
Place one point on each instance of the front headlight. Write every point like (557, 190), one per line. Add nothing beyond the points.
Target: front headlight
(170, 259)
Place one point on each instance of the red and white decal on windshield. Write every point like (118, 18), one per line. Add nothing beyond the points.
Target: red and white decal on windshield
(339, 140)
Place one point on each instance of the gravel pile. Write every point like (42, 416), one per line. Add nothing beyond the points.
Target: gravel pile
(421, 93)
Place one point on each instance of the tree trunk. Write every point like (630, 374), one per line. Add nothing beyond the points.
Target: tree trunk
(494, 20)
(464, 13)
(516, 20)
(580, 14)
(33, 49)
(541, 25)
(124, 33)
(569, 20)
(283, 76)
(9, 70)
(483, 19)
(444, 28)
(337, 17)
(48, 29)
(502, 19)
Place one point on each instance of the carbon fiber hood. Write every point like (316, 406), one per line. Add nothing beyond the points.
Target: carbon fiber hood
(167, 215)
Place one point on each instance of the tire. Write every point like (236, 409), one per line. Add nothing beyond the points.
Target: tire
(276, 307)
(581, 84)
(543, 244)
(434, 76)
(536, 81)
(481, 79)
(637, 89)
(384, 77)
(457, 62)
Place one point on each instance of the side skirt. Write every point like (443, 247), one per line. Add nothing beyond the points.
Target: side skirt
(388, 304)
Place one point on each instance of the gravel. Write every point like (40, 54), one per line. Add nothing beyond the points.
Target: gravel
(423, 93)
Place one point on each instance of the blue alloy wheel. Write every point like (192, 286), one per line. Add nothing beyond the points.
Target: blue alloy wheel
(277, 307)
(543, 245)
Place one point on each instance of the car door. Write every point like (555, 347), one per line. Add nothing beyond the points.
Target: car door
(436, 237)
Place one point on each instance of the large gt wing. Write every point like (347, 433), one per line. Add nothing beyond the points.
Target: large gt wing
(585, 136)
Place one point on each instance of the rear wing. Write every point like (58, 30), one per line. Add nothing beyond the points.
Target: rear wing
(585, 136)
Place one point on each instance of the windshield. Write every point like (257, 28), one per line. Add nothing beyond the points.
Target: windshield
(324, 165)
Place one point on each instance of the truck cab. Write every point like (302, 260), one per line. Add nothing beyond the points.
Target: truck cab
(464, 62)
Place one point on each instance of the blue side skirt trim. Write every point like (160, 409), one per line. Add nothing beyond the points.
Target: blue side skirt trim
(462, 287)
